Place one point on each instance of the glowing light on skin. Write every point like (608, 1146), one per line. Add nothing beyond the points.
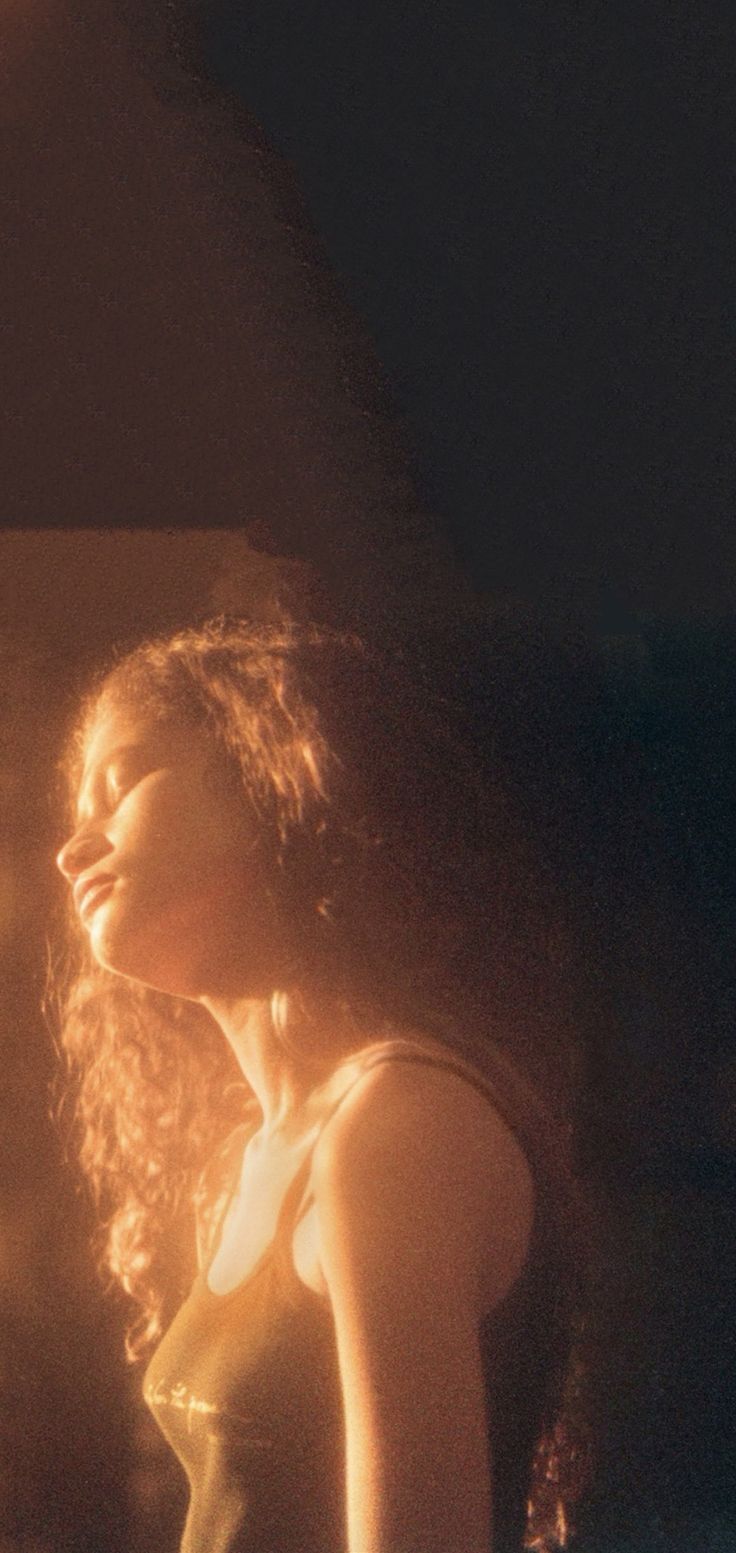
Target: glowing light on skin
(7, 901)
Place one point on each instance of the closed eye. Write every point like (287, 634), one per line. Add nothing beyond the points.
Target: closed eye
(116, 776)
(120, 782)
(124, 772)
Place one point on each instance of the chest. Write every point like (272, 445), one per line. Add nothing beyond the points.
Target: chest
(250, 1224)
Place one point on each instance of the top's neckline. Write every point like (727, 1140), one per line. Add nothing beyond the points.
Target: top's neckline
(300, 1176)
(294, 1187)
(227, 1294)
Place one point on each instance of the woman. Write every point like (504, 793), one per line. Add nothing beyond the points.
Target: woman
(290, 916)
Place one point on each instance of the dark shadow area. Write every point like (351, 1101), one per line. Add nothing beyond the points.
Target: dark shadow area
(531, 207)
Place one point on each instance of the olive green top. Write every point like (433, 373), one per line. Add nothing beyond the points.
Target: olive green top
(246, 1387)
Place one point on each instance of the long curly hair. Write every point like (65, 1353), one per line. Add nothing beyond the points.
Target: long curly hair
(418, 906)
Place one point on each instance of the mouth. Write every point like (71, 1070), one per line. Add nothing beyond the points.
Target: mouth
(94, 895)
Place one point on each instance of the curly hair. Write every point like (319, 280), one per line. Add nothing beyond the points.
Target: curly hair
(419, 906)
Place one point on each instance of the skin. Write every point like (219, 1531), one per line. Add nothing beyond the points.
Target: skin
(423, 1199)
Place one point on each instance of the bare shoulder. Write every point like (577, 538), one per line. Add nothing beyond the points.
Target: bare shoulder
(417, 1161)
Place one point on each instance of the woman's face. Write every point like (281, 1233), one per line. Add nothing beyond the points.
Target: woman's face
(165, 867)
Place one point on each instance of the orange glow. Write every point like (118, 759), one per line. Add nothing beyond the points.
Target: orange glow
(7, 901)
(311, 764)
(543, 1541)
(561, 1525)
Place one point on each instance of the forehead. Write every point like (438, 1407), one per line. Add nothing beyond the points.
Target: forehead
(113, 726)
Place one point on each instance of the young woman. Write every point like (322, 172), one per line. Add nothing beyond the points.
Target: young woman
(286, 1024)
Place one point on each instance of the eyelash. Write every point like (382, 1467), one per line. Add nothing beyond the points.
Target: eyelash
(115, 791)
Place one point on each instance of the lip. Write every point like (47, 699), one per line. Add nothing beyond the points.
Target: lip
(89, 893)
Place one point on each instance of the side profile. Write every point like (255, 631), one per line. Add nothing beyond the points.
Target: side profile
(342, 1207)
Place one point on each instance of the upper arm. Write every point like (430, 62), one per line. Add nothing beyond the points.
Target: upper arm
(403, 1185)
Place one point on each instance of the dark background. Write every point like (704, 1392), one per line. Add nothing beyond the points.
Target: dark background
(529, 212)
(531, 206)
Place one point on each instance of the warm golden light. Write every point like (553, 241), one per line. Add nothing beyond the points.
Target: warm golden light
(7, 900)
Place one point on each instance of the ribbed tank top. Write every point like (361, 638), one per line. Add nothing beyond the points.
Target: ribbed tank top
(245, 1385)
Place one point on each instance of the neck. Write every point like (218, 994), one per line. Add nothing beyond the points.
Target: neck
(284, 1084)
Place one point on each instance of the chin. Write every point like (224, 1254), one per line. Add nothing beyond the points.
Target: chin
(137, 957)
(147, 974)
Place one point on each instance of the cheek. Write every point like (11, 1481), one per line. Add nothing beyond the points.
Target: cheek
(173, 838)
(189, 881)
(196, 890)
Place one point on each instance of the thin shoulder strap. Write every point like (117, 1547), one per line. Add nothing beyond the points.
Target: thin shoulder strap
(299, 1195)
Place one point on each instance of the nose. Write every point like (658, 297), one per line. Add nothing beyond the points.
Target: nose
(80, 852)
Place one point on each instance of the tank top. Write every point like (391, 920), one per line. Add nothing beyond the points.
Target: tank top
(246, 1388)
